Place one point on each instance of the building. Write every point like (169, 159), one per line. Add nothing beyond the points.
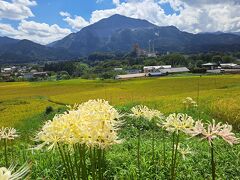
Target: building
(229, 66)
(154, 74)
(130, 76)
(32, 75)
(138, 51)
(7, 70)
(166, 71)
(27, 75)
(40, 74)
(210, 66)
(118, 69)
(133, 71)
(174, 70)
(148, 69)
(151, 54)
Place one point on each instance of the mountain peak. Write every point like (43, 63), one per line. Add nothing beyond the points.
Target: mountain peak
(122, 21)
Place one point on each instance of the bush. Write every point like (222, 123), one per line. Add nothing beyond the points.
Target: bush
(198, 70)
(48, 110)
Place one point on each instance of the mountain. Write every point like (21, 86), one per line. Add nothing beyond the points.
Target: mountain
(236, 33)
(24, 51)
(6, 40)
(118, 34)
(99, 35)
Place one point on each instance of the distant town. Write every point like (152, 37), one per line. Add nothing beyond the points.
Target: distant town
(136, 64)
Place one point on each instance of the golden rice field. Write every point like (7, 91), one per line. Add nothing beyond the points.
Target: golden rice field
(139, 149)
(220, 95)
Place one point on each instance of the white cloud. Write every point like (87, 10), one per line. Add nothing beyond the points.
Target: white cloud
(38, 32)
(116, 2)
(17, 9)
(191, 15)
(76, 23)
(65, 14)
(99, 1)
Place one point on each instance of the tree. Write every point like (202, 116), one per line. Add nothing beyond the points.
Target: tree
(217, 59)
(227, 59)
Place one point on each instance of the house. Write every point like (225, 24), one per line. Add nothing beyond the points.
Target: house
(118, 69)
(151, 54)
(7, 70)
(154, 74)
(174, 70)
(27, 75)
(40, 74)
(229, 66)
(133, 71)
(210, 66)
(148, 69)
(130, 76)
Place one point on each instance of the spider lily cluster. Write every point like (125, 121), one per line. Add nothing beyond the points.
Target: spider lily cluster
(189, 103)
(82, 133)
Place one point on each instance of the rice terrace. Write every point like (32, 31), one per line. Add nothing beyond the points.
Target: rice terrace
(27, 106)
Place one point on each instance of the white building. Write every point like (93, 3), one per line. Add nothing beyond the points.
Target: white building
(169, 71)
(210, 66)
(118, 69)
(229, 66)
(148, 69)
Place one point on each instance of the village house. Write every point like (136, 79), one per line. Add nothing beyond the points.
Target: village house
(229, 66)
(166, 71)
(210, 66)
(147, 69)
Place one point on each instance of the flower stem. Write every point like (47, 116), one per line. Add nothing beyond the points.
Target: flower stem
(138, 154)
(175, 157)
(213, 162)
(76, 161)
(164, 150)
(64, 162)
(153, 147)
(153, 155)
(5, 152)
(173, 151)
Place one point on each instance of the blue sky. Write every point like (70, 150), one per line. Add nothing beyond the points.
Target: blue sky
(45, 21)
(47, 11)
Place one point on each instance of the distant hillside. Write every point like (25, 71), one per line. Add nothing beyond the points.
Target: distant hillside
(24, 51)
(98, 36)
(117, 34)
(6, 40)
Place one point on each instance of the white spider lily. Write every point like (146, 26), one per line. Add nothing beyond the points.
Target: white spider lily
(8, 133)
(141, 111)
(184, 151)
(213, 131)
(178, 122)
(9, 174)
(189, 102)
